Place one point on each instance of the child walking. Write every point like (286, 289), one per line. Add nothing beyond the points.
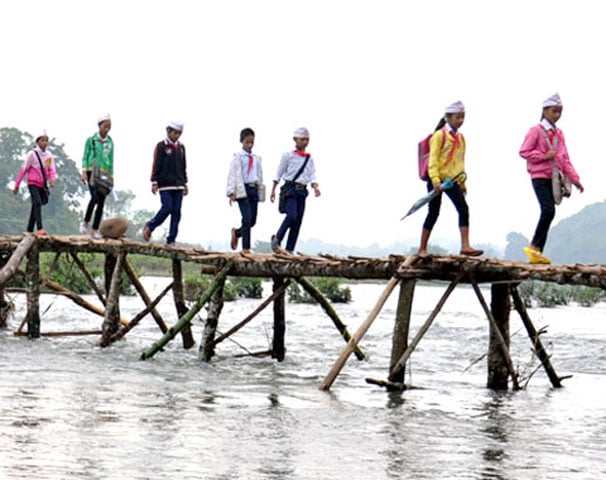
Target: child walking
(543, 146)
(169, 177)
(244, 182)
(99, 152)
(297, 169)
(39, 167)
(447, 160)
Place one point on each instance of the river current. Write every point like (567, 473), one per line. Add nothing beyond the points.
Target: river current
(71, 410)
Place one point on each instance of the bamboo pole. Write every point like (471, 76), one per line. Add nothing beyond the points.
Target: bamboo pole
(278, 350)
(534, 337)
(89, 278)
(32, 277)
(137, 318)
(499, 337)
(398, 367)
(187, 336)
(255, 312)
(112, 310)
(144, 296)
(12, 264)
(351, 345)
(330, 311)
(185, 319)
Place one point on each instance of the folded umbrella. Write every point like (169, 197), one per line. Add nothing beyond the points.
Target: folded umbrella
(446, 184)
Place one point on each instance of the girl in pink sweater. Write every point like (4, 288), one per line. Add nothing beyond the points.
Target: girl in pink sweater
(544, 144)
(35, 161)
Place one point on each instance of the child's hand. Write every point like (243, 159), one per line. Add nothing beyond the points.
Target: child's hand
(579, 186)
(16, 190)
(549, 155)
(185, 190)
(232, 198)
(437, 187)
(84, 178)
(155, 188)
(316, 190)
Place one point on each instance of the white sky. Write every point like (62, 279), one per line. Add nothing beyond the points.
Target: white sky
(368, 78)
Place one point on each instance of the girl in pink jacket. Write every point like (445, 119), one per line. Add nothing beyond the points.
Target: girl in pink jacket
(38, 165)
(544, 144)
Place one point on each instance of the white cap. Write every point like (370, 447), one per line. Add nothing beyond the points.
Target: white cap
(175, 125)
(301, 132)
(41, 133)
(552, 101)
(456, 107)
(103, 118)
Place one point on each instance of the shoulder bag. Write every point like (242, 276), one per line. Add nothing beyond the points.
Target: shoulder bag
(286, 186)
(561, 185)
(101, 180)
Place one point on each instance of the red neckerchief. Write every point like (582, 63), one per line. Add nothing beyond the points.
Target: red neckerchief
(302, 153)
(174, 145)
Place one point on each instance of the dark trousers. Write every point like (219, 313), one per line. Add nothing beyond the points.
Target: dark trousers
(35, 214)
(457, 197)
(171, 205)
(96, 200)
(544, 193)
(295, 209)
(248, 210)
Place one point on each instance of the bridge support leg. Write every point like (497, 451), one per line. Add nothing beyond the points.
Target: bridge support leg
(215, 305)
(278, 350)
(179, 298)
(32, 275)
(401, 328)
(500, 306)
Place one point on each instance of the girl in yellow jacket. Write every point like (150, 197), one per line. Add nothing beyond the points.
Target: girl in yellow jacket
(447, 160)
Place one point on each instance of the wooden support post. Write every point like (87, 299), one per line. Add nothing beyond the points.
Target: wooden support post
(12, 264)
(32, 276)
(111, 321)
(255, 312)
(144, 296)
(179, 298)
(496, 337)
(399, 342)
(278, 350)
(539, 350)
(5, 308)
(498, 371)
(351, 345)
(205, 353)
(325, 304)
(89, 278)
(399, 365)
(170, 334)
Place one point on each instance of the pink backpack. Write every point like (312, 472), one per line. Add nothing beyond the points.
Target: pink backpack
(423, 154)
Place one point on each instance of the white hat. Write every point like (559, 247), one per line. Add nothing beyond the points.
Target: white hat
(301, 132)
(175, 125)
(41, 133)
(103, 118)
(456, 107)
(552, 101)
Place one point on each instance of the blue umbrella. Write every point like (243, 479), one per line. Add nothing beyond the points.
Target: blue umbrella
(446, 184)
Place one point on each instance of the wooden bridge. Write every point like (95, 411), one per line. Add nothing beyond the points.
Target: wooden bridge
(504, 276)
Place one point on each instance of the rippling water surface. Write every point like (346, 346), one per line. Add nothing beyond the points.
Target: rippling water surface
(70, 410)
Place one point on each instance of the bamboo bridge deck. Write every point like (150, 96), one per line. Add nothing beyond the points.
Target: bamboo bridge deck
(504, 276)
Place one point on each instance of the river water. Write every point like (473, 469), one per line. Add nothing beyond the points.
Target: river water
(70, 410)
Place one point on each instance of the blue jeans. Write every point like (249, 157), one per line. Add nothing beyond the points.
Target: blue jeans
(457, 197)
(96, 200)
(248, 210)
(544, 193)
(295, 209)
(171, 205)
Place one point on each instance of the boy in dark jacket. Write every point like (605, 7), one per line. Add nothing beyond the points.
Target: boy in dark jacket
(169, 177)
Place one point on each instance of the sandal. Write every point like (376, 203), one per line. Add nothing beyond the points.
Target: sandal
(472, 252)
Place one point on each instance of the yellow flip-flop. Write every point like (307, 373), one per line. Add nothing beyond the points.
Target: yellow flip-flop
(536, 257)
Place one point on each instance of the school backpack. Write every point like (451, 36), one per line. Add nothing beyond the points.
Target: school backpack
(423, 153)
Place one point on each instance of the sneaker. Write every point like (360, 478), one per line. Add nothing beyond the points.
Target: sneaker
(96, 236)
(246, 251)
(275, 244)
(41, 233)
(146, 232)
(234, 239)
(536, 257)
(83, 229)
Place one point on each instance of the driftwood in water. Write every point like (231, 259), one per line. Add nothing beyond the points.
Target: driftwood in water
(144, 296)
(498, 336)
(179, 298)
(185, 319)
(12, 264)
(353, 342)
(398, 368)
(89, 278)
(32, 278)
(255, 312)
(278, 350)
(539, 350)
(399, 340)
(111, 321)
(332, 314)
(215, 305)
(137, 318)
